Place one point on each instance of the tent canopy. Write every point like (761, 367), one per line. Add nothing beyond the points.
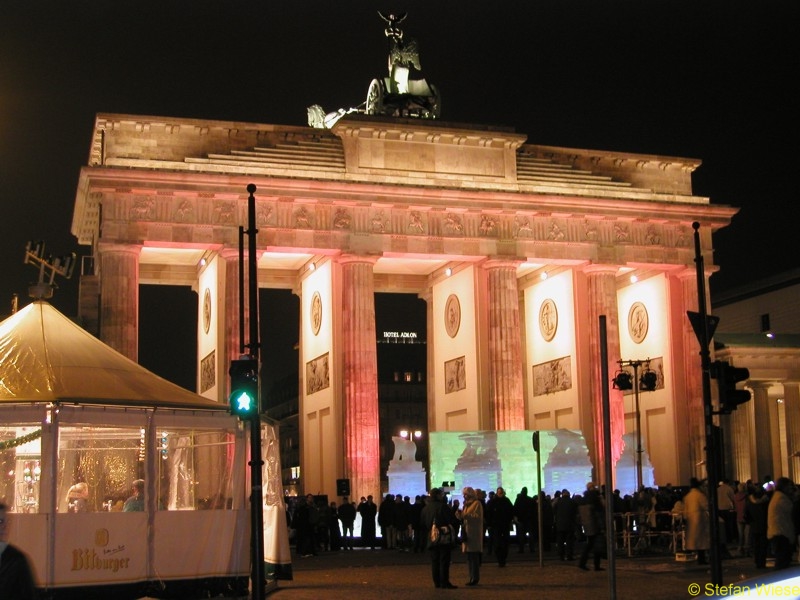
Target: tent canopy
(45, 357)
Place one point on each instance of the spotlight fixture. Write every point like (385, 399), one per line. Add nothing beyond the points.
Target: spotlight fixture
(649, 380)
(448, 271)
(623, 380)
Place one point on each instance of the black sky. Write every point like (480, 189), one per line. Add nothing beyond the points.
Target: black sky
(712, 80)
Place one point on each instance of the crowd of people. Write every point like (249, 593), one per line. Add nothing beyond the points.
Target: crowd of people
(757, 520)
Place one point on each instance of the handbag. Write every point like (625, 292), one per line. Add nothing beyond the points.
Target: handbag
(442, 535)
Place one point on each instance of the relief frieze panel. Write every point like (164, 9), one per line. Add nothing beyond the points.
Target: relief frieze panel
(225, 212)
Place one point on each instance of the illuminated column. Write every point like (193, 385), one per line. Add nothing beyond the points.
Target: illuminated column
(791, 408)
(430, 384)
(119, 298)
(505, 346)
(693, 374)
(766, 431)
(602, 285)
(360, 366)
(230, 256)
(740, 432)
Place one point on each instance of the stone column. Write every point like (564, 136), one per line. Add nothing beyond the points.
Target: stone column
(693, 375)
(360, 375)
(430, 384)
(602, 286)
(119, 298)
(791, 409)
(505, 346)
(739, 430)
(764, 462)
(230, 312)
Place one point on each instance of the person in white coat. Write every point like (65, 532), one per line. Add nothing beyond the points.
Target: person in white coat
(698, 522)
(780, 527)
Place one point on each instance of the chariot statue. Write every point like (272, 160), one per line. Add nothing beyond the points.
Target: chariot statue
(404, 93)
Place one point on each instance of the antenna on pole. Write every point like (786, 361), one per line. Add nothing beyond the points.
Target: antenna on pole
(49, 267)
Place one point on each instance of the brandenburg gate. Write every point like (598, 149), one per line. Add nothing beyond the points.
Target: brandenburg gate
(517, 249)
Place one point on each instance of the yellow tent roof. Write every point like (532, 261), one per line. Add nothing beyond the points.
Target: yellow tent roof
(45, 357)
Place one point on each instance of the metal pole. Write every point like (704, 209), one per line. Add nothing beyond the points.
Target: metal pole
(711, 459)
(256, 479)
(539, 516)
(639, 480)
(610, 534)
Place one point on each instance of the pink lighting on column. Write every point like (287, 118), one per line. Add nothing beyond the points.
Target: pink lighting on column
(362, 447)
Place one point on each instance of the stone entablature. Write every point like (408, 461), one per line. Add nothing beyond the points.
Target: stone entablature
(137, 174)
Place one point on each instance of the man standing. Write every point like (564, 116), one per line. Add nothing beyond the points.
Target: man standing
(347, 515)
(437, 511)
(368, 511)
(592, 517)
(566, 514)
(502, 514)
(525, 518)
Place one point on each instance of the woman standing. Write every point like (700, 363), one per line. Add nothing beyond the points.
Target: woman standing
(698, 534)
(472, 533)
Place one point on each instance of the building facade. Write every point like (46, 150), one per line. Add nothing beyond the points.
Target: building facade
(759, 329)
(517, 249)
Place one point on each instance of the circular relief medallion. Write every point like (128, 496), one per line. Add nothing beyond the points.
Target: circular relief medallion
(316, 312)
(206, 310)
(548, 320)
(452, 315)
(638, 322)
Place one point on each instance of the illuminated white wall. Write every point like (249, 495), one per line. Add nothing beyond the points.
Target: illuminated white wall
(318, 430)
(656, 408)
(212, 279)
(559, 409)
(458, 410)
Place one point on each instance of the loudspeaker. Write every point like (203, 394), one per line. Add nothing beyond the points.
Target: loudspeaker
(342, 487)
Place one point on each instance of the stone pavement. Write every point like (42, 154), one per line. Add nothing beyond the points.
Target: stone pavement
(395, 575)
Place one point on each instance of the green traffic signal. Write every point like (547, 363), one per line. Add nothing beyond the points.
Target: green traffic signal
(244, 388)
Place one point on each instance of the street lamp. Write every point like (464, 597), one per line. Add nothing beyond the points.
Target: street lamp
(647, 382)
(409, 435)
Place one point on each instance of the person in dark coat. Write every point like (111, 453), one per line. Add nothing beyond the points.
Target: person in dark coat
(16, 576)
(420, 539)
(305, 521)
(565, 518)
(525, 518)
(386, 513)
(592, 516)
(755, 515)
(368, 511)
(438, 511)
(502, 514)
(347, 515)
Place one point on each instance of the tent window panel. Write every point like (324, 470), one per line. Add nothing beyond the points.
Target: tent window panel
(195, 469)
(20, 466)
(97, 467)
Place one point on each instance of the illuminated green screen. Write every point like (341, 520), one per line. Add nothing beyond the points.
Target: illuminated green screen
(488, 459)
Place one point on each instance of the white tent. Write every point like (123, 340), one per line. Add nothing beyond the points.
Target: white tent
(45, 357)
(74, 410)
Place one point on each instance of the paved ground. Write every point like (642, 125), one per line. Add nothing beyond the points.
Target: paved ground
(394, 575)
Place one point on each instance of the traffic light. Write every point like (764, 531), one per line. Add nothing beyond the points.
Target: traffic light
(244, 388)
(727, 377)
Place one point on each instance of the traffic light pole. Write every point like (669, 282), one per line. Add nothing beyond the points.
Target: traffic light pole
(257, 577)
(711, 458)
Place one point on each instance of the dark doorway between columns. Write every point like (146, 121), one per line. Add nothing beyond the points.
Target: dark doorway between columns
(400, 325)
(168, 348)
(168, 333)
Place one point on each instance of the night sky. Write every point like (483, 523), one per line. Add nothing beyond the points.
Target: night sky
(712, 80)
